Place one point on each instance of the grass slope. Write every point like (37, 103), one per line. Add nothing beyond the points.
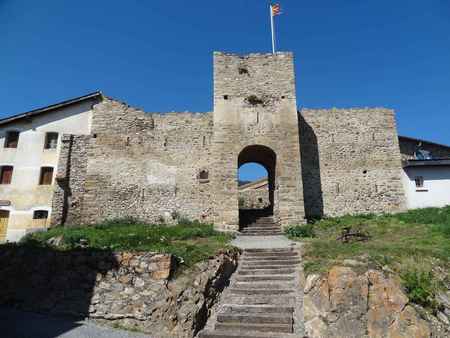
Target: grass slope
(414, 244)
(191, 241)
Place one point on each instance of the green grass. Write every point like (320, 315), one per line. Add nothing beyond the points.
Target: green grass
(415, 244)
(191, 242)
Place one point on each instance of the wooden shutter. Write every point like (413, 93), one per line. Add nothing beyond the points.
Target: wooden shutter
(6, 175)
(46, 176)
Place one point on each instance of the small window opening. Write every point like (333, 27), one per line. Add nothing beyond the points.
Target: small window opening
(419, 181)
(12, 139)
(260, 200)
(364, 172)
(51, 140)
(165, 142)
(203, 176)
(40, 214)
(243, 70)
(6, 174)
(46, 177)
(225, 97)
(283, 97)
(204, 140)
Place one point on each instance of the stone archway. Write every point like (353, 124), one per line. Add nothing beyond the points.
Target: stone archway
(266, 157)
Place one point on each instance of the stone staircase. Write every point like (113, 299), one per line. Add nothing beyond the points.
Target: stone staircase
(262, 226)
(263, 299)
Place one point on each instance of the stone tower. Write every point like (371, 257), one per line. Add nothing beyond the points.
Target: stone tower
(256, 120)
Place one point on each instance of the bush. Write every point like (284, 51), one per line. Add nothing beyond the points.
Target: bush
(301, 231)
(420, 287)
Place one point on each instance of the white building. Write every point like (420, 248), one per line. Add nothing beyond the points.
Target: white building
(29, 152)
(427, 183)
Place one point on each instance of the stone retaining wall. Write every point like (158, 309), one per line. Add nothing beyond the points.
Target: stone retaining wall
(132, 290)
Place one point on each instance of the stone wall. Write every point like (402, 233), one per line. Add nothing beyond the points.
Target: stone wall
(345, 303)
(132, 290)
(350, 161)
(69, 188)
(408, 147)
(142, 165)
(254, 198)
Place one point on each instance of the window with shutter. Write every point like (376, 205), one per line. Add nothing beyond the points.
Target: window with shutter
(46, 176)
(12, 139)
(6, 175)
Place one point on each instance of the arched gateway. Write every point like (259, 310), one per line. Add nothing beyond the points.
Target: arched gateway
(255, 120)
(267, 158)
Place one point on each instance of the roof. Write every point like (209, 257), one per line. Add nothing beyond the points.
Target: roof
(254, 184)
(47, 109)
(419, 140)
(426, 163)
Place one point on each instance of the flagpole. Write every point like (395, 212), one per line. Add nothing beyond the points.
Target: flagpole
(272, 26)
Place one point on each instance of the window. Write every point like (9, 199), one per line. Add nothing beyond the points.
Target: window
(203, 176)
(40, 219)
(46, 176)
(40, 214)
(419, 181)
(51, 140)
(6, 174)
(11, 139)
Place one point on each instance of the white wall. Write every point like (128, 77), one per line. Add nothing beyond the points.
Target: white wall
(24, 192)
(436, 186)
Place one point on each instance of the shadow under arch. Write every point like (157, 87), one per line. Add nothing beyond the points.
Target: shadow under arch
(266, 157)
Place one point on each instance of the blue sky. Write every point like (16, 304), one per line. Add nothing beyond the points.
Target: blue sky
(157, 55)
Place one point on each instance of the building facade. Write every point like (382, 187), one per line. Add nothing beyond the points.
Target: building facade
(110, 160)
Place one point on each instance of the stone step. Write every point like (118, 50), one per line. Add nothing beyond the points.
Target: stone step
(245, 327)
(267, 271)
(247, 258)
(261, 230)
(254, 318)
(261, 300)
(261, 234)
(272, 265)
(263, 256)
(264, 278)
(263, 285)
(242, 334)
(274, 250)
(270, 262)
(253, 291)
(257, 228)
(256, 309)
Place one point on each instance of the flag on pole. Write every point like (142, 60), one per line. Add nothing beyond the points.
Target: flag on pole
(275, 10)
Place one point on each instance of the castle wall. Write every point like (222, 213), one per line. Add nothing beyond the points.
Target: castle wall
(144, 165)
(350, 161)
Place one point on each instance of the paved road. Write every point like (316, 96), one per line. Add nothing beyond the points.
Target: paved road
(18, 324)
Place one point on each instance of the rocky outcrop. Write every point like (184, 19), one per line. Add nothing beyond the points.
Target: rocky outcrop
(136, 290)
(344, 303)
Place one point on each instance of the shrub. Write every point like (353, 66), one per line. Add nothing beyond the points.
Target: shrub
(420, 287)
(301, 231)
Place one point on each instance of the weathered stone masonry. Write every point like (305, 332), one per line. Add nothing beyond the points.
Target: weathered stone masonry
(162, 166)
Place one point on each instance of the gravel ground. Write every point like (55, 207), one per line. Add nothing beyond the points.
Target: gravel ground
(18, 324)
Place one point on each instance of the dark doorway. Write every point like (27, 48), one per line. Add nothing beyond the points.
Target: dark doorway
(256, 180)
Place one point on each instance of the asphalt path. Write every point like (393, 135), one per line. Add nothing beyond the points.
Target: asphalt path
(19, 324)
